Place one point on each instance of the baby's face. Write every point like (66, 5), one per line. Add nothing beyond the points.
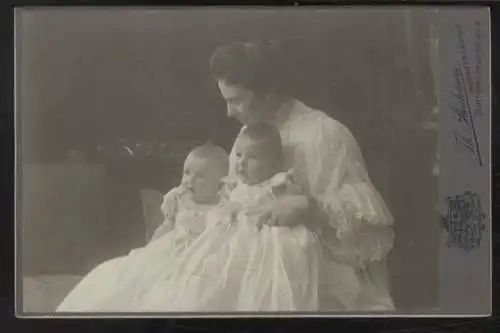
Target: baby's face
(253, 164)
(201, 179)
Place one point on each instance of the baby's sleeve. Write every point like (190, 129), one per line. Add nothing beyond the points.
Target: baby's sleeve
(169, 207)
(170, 203)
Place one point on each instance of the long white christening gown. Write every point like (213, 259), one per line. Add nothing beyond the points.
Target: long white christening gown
(236, 266)
(115, 284)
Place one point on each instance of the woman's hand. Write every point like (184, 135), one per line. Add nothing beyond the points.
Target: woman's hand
(349, 258)
(232, 208)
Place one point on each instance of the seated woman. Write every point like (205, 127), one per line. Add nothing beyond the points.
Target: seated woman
(351, 219)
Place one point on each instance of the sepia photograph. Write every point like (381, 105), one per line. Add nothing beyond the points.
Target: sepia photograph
(209, 162)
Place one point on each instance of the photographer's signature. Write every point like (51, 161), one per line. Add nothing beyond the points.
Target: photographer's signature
(466, 94)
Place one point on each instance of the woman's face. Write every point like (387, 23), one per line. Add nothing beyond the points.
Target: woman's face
(242, 104)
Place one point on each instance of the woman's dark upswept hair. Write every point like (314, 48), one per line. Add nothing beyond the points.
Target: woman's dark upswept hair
(251, 65)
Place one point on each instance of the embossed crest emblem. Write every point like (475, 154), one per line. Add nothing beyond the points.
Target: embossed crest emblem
(464, 221)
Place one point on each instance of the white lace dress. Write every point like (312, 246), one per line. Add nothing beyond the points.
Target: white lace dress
(114, 285)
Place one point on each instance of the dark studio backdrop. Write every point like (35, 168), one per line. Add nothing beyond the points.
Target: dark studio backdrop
(91, 82)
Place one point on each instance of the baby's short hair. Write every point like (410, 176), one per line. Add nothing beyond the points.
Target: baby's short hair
(213, 154)
(263, 133)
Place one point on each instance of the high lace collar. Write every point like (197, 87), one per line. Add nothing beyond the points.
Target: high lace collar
(284, 112)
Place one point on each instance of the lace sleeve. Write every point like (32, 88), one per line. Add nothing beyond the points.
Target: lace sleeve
(344, 194)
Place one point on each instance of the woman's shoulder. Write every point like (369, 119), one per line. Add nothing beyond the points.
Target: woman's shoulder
(314, 121)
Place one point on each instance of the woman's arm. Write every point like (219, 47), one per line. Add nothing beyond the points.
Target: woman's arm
(289, 210)
(354, 217)
(289, 205)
